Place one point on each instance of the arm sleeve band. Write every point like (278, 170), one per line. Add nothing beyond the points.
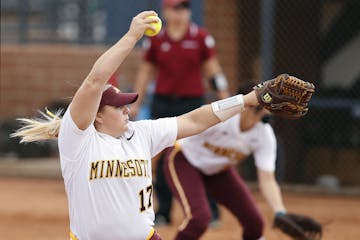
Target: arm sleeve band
(228, 107)
(218, 82)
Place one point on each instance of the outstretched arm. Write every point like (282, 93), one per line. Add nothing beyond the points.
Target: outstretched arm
(284, 95)
(200, 119)
(270, 190)
(86, 101)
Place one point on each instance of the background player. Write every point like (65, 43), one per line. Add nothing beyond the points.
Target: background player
(179, 58)
(204, 164)
(105, 159)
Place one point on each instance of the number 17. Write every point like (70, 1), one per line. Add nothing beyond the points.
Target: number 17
(142, 193)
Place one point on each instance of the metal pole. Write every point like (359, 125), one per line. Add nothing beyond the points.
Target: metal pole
(23, 11)
(85, 23)
(267, 45)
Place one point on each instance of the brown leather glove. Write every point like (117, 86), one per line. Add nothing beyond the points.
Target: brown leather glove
(285, 96)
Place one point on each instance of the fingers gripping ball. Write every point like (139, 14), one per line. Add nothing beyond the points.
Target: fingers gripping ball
(285, 95)
(157, 26)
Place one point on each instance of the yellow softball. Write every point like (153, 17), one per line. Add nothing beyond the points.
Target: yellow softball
(157, 25)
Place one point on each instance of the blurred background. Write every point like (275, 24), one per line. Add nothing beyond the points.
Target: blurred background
(48, 47)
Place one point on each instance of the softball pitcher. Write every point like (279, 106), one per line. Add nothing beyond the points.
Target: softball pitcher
(106, 159)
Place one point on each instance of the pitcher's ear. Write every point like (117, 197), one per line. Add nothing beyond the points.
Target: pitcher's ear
(99, 117)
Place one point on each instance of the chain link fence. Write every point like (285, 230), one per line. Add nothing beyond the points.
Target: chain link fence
(54, 21)
(317, 40)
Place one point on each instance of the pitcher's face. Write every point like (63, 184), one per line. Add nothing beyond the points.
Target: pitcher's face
(113, 120)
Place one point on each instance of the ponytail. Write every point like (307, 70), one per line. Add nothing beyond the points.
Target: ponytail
(39, 129)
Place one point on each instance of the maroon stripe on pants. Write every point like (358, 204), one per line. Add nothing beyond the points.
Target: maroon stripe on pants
(189, 186)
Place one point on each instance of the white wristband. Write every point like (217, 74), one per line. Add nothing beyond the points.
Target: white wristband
(228, 107)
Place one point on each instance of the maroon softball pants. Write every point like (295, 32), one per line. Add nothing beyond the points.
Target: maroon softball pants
(190, 187)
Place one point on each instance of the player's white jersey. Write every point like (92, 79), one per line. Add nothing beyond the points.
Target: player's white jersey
(108, 180)
(224, 144)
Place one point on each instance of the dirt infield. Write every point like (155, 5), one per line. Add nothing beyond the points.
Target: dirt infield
(37, 209)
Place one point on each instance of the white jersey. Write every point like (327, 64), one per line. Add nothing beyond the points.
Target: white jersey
(224, 144)
(108, 180)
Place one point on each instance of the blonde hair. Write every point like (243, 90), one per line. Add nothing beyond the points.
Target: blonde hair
(39, 129)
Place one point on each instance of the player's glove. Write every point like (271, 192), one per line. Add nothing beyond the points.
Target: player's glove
(285, 95)
(299, 227)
